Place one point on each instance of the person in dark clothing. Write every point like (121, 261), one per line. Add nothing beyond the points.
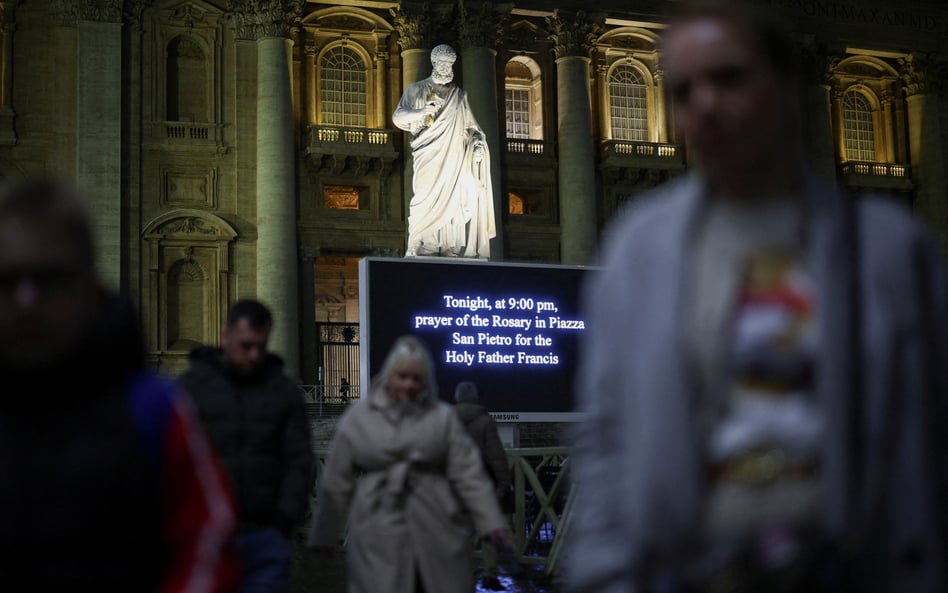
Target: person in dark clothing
(483, 431)
(344, 390)
(254, 416)
(108, 484)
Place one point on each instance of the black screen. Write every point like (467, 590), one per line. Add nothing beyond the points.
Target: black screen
(512, 329)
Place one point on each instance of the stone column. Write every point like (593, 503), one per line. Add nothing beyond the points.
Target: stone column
(478, 28)
(307, 321)
(277, 264)
(99, 129)
(922, 78)
(414, 27)
(573, 39)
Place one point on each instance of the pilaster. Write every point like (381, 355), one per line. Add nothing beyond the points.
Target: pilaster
(307, 322)
(661, 133)
(99, 129)
(309, 83)
(7, 114)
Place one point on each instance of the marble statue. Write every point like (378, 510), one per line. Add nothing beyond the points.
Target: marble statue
(451, 211)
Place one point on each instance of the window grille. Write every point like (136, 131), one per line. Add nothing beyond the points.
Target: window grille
(342, 88)
(857, 127)
(628, 104)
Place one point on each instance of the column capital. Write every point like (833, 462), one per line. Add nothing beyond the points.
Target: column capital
(64, 13)
(817, 64)
(415, 24)
(574, 35)
(886, 98)
(257, 19)
(133, 11)
(922, 74)
(106, 11)
(480, 24)
(7, 16)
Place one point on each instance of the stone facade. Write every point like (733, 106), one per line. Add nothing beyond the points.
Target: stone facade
(245, 148)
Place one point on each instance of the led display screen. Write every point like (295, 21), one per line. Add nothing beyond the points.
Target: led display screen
(512, 329)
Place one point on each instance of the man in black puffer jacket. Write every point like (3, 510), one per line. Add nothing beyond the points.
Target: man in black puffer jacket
(254, 416)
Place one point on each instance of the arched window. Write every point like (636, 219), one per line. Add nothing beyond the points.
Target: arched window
(859, 134)
(523, 99)
(628, 104)
(342, 88)
(186, 85)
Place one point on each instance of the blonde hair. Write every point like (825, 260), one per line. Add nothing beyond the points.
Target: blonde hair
(408, 348)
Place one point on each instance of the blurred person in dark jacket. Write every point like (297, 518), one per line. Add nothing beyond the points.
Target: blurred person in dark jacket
(483, 431)
(254, 416)
(764, 371)
(107, 482)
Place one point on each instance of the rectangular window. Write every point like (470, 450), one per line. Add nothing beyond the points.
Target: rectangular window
(342, 197)
(518, 112)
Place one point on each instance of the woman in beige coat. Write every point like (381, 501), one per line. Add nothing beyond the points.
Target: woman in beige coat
(415, 483)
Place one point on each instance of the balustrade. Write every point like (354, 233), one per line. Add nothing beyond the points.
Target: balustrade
(523, 146)
(873, 168)
(188, 133)
(370, 137)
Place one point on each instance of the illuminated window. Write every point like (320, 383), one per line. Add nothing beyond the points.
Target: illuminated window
(341, 197)
(858, 127)
(525, 203)
(523, 99)
(342, 84)
(628, 104)
(518, 113)
(185, 88)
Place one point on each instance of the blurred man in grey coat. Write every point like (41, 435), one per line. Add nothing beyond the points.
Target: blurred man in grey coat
(765, 363)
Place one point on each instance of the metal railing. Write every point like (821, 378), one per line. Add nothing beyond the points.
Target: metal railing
(543, 502)
(330, 394)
